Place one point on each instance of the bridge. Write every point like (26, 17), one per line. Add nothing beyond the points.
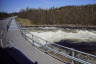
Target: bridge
(12, 35)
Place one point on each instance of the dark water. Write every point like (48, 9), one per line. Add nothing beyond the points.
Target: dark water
(82, 46)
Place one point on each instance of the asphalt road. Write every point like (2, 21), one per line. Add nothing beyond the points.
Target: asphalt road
(4, 25)
(32, 53)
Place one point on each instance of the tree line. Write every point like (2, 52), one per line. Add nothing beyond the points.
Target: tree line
(75, 15)
(4, 15)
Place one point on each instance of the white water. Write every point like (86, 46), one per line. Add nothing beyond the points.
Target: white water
(77, 36)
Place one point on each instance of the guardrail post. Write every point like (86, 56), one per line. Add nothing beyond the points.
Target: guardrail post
(73, 54)
(46, 44)
(1, 43)
(33, 40)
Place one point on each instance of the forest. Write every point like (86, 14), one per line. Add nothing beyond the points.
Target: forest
(67, 15)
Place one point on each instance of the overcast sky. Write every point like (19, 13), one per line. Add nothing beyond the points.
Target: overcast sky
(17, 5)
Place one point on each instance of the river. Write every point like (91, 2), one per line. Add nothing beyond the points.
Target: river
(74, 38)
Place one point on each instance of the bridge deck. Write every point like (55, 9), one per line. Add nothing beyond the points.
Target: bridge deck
(31, 52)
(17, 41)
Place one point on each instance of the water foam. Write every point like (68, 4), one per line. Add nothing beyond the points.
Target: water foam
(78, 36)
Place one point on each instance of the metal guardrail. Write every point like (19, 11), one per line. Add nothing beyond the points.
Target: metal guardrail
(74, 55)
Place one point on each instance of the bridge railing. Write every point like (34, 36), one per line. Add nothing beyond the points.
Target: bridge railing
(62, 50)
(76, 57)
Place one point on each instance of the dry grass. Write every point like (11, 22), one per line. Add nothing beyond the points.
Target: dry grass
(24, 22)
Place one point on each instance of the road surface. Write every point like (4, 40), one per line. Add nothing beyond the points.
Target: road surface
(3, 30)
(26, 48)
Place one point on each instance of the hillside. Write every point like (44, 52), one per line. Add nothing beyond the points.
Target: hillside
(84, 15)
(75, 15)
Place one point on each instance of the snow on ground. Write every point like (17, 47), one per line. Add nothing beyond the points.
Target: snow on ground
(77, 36)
